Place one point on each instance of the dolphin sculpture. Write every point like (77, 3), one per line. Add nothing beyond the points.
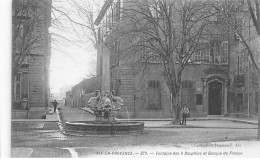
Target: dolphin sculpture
(117, 101)
(93, 102)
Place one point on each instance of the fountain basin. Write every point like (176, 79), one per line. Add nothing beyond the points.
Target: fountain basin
(95, 128)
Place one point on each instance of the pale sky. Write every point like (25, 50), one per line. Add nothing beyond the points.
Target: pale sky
(71, 65)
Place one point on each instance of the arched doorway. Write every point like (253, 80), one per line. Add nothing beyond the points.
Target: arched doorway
(215, 97)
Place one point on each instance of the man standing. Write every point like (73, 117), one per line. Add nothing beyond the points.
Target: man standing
(185, 111)
(55, 104)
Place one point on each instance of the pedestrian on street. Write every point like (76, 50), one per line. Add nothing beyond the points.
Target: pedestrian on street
(184, 111)
(55, 104)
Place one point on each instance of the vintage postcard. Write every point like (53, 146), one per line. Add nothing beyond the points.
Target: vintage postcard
(135, 78)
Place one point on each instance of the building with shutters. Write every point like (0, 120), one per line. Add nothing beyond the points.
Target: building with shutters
(225, 86)
(30, 58)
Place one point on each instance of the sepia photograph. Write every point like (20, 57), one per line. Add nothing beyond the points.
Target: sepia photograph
(134, 79)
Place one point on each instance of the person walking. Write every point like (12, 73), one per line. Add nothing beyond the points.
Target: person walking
(55, 104)
(185, 111)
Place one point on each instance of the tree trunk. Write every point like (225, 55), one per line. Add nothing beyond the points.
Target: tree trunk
(176, 117)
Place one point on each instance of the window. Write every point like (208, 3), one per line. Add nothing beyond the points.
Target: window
(215, 55)
(205, 52)
(17, 87)
(25, 86)
(215, 52)
(154, 95)
(224, 59)
(186, 84)
(153, 84)
(115, 10)
(21, 86)
(179, 48)
(114, 57)
(197, 57)
(199, 99)
(239, 102)
(202, 53)
(187, 93)
(240, 65)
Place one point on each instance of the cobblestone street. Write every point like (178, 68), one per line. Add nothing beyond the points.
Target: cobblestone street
(45, 139)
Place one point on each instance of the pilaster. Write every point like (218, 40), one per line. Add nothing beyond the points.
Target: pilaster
(205, 102)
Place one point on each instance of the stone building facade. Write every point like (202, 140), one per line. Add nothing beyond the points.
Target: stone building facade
(226, 87)
(244, 81)
(31, 58)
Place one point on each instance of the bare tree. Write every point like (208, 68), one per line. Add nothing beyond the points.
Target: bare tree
(255, 15)
(77, 19)
(231, 13)
(27, 30)
(169, 32)
(28, 35)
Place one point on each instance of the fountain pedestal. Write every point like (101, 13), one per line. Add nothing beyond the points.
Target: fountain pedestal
(104, 107)
(104, 116)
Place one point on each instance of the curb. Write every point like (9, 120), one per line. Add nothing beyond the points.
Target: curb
(33, 120)
(190, 126)
(188, 119)
(243, 121)
(54, 119)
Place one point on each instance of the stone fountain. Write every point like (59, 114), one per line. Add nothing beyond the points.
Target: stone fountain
(105, 106)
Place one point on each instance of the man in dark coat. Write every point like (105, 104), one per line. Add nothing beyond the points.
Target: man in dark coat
(55, 104)
(185, 111)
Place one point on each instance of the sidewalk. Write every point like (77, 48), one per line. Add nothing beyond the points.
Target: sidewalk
(248, 121)
(50, 117)
(196, 127)
(86, 114)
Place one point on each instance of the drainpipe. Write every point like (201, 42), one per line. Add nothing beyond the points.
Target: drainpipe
(248, 90)
(171, 102)
(258, 135)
